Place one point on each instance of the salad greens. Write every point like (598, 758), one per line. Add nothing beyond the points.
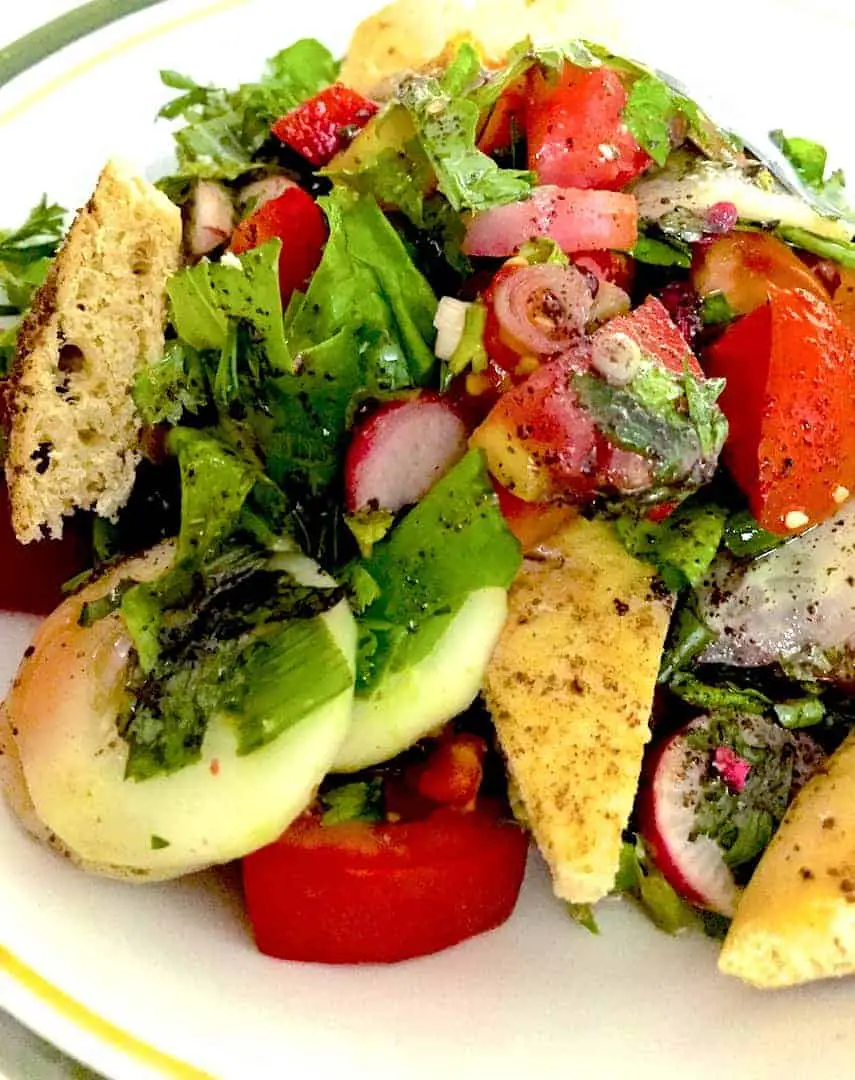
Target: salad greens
(451, 544)
(26, 254)
(225, 130)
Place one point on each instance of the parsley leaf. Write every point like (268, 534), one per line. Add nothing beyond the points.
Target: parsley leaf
(26, 254)
(224, 130)
(809, 160)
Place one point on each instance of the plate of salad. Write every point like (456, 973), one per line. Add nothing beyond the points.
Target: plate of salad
(428, 543)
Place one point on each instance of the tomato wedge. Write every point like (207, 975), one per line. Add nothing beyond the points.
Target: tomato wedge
(790, 370)
(653, 330)
(325, 124)
(361, 893)
(743, 264)
(576, 134)
(296, 219)
(506, 119)
(532, 523)
(576, 219)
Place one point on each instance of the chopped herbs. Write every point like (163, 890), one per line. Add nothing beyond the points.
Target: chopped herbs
(662, 252)
(809, 160)
(682, 546)
(745, 539)
(638, 878)
(583, 914)
(360, 801)
(224, 131)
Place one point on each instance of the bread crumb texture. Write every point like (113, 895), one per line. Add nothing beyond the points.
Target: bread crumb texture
(570, 688)
(94, 324)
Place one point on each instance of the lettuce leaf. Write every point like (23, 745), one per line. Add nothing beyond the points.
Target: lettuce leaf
(452, 543)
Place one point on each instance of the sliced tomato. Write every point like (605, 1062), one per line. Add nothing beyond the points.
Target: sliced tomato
(614, 266)
(742, 265)
(296, 219)
(325, 124)
(33, 574)
(575, 219)
(843, 299)
(576, 134)
(530, 522)
(361, 893)
(790, 370)
(652, 329)
(506, 120)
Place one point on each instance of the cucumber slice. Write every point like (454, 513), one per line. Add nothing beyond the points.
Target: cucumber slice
(410, 704)
(63, 711)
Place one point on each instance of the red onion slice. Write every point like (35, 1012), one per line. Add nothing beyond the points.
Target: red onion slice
(541, 309)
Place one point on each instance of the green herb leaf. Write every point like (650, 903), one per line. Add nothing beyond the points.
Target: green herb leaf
(224, 130)
(655, 252)
(745, 539)
(543, 249)
(206, 296)
(369, 527)
(682, 546)
(715, 310)
(583, 914)
(176, 384)
(838, 250)
(809, 160)
(650, 109)
(360, 801)
(447, 127)
(453, 543)
(639, 878)
(688, 636)
(800, 713)
(724, 697)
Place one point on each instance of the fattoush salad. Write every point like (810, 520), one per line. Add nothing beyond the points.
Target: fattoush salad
(449, 460)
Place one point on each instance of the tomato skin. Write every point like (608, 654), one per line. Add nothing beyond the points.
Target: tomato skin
(508, 114)
(531, 522)
(843, 300)
(790, 370)
(296, 219)
(569, 126)
(322, 126)
(360, 893)
(32, 575)
(614, 266)
(743, 264)
(653, 329)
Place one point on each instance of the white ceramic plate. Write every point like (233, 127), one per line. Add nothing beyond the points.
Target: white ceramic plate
(136, 981)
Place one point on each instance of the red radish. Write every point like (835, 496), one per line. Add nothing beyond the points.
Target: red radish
(673, 786)
(400, 452)
(211, 218)
(666, 815)
(732, 768)
(253, 196)
(576, 219)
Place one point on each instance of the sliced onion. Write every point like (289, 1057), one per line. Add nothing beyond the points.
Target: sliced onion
(610, 300)
(211, 219)
(541, 309)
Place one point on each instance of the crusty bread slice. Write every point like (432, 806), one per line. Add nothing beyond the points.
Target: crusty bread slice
(97, 320)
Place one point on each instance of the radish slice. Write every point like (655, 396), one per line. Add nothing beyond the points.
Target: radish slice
(253, 196)
(576, 219)
(211, 218)
(666, 814)
(673, 788)
(401, 451)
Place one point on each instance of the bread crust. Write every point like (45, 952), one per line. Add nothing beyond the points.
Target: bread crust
(97, 320)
